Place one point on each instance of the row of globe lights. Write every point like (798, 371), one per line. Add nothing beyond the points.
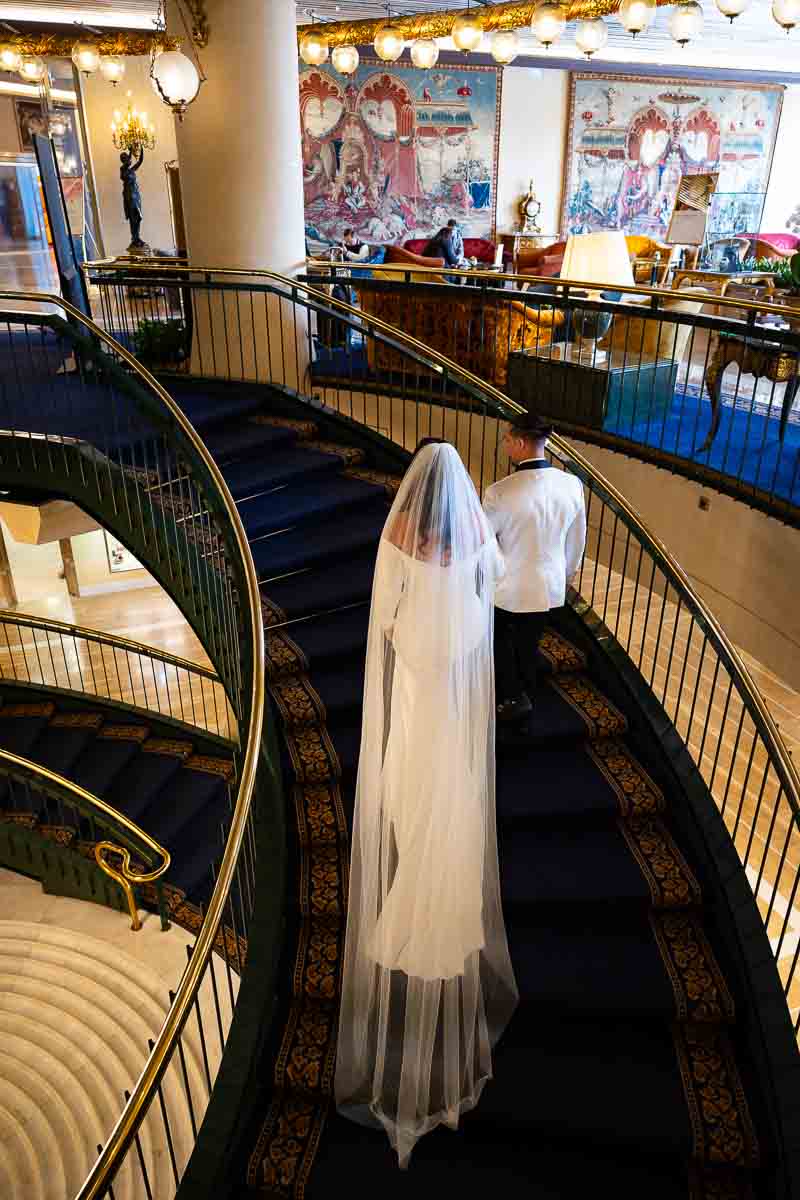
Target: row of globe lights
(547, 25)
(174, 77)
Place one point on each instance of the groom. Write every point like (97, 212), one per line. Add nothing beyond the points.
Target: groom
(539, 516)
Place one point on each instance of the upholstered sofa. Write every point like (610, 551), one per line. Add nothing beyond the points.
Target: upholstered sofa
(481, 248)
(475, 334)
(546, 260)
(773, 245)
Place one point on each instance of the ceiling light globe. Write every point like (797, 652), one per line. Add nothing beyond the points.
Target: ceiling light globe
(637, 15)
(112, 68)
(344, 59)
(467, 32)
(32, 68)
(314, 49)
(504, 46)
(177, 79)
(686, 22)
(732, 8)
(548, 23)
(388, 44)
(786, 13)
(10, 57)
(591, 36)
(424, 53)
(86, 57)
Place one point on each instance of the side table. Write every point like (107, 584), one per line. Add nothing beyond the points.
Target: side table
(515, 241)
(763, 360)
(596, 395)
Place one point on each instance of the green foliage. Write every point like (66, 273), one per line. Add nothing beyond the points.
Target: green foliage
(779, 267)
(794, 269)
(160, 343)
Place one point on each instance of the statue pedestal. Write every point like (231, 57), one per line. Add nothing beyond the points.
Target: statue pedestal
(139, 250)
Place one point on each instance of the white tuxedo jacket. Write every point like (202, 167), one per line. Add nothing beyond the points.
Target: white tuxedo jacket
(539, 516)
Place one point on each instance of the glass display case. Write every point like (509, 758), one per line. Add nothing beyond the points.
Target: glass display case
(731, 216)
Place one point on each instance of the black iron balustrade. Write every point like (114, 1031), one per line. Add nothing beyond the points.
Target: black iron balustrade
(80, 418)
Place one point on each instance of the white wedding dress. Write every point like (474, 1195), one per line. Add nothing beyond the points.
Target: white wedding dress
(427, 984)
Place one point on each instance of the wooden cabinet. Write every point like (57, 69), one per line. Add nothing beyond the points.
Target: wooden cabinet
(514, 242)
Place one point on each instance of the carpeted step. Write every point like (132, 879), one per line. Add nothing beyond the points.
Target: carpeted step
(333, 695)
(22, 723)
(62, 742)
(340, 635)
(298, 503)
(206, 408)
(104, 760)
(557, 784)
(189, 810)
(237, 440)
(256, 476)
(616, 962)
(503, 1164)
(634, 862)
(150, 773)
(319, 590)
(304, 546)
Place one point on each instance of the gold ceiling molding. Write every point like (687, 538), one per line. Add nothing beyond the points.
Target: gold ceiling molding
(440, 24)
(123, 42)
(200, 27)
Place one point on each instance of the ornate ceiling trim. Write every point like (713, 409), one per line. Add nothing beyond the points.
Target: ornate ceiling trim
(121, 42)
(200, 26)
(440, 24)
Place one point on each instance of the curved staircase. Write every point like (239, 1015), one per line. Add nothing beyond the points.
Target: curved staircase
(622, 1069)
(76, 1015)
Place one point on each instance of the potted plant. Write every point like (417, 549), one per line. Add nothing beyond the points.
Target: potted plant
(160, 343)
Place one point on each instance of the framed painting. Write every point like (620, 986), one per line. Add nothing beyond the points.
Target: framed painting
(119, 557)
(630, 140)
(393, 152)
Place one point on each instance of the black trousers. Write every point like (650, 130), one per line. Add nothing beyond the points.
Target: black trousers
(516, 639)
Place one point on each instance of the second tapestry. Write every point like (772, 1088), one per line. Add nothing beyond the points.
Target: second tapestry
(394, 152)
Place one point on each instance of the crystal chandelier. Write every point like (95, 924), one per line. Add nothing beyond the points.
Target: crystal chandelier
(132, 131)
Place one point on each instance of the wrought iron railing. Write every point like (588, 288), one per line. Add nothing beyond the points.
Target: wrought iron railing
(654, 384)
(81, 418)
(397, 386)
(42, 652)
(62, 806)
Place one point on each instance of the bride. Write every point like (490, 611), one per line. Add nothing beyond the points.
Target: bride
(428, 985)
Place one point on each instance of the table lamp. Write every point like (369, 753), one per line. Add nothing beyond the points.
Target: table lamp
(601, 258)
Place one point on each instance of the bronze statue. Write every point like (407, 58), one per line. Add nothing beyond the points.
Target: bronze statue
(131, 195)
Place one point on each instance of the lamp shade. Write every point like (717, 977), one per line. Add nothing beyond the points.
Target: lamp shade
(686, 22)
(344, 59)
(388, 43)
(314, 49)
(637, 15)
(177, 79)
(591, 36)
(504, 46)
(112, 68)
(600, 258)
(32, 68)
(548, 23)
(86, 57)
(732, 8)
(786, 13)
(10, 57)
(467, 31)
(424, 53)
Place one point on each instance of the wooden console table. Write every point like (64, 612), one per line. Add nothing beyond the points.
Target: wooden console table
(763, 360)
(718, 282)
(516, 241)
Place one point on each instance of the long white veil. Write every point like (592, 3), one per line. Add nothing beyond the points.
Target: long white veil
(428, 985)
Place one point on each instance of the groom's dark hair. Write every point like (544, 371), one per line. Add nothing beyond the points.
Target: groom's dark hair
(531, 427)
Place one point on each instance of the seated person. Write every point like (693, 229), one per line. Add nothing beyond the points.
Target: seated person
(457, 240)
(442, 245)
(352, 249)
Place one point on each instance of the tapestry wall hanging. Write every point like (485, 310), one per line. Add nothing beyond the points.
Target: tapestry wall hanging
(394, 152)
(630, 139)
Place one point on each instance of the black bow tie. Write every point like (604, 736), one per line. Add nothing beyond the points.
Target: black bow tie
(532, 464)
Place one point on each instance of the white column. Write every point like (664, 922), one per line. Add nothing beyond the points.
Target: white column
(241, 176)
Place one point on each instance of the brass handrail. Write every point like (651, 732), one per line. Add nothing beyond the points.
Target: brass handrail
(23, 768)
(50, 624)
(145, 1087)
(109, 264)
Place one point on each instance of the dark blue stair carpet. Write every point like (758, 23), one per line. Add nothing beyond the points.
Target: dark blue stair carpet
(306, 546)
(327, 498)
(59, 747)
(336, 635)
(206, 410)
(569, 866)
(322, 588)
(253, 476)
(100, 766)
(146, 778)
(230, 443)
(470, 1165)
(189, 810)
(19, 733)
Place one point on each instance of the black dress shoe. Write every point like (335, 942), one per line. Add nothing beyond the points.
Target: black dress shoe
(514, 710)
